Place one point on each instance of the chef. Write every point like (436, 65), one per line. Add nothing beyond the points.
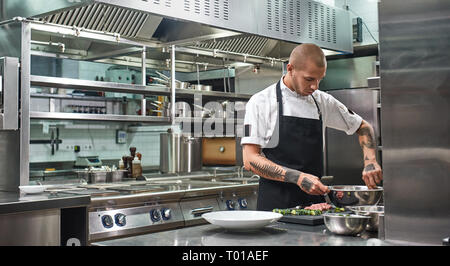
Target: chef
(283, 134)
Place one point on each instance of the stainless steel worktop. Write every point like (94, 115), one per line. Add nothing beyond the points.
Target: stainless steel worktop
(14, 202)
(277, 234)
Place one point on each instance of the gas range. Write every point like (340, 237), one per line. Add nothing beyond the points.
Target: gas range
(138, 207)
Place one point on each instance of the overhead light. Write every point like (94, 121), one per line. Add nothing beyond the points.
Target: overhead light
(330, 52)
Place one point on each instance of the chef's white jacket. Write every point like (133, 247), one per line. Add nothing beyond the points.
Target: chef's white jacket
(261, 114)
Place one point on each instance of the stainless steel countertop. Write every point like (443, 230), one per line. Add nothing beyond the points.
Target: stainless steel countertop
(277, 234)
(13, 202)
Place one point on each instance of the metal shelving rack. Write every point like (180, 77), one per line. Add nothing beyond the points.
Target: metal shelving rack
(144, 90)
(20, 30)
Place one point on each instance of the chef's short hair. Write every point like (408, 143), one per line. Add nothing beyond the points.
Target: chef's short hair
(307, 52)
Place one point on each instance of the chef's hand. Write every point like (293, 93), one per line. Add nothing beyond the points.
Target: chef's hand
(372, 174)
(311, 184)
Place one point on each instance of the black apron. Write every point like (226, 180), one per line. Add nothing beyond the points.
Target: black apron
(300, 147)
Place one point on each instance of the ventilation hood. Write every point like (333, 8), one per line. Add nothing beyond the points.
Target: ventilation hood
(269, 28)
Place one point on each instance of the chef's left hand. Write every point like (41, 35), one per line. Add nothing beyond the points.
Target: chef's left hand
(372, 174)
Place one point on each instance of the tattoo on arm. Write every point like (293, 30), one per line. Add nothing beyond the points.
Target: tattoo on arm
(273, 171)
(367, 137)
(268, 170)
(369, 167)
(306, 184)
(291, 175)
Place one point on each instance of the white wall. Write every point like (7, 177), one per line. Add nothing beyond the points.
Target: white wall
(368, 11)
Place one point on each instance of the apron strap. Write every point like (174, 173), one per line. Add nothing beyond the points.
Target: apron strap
(318, 109)
(279, 99)
(280, 102)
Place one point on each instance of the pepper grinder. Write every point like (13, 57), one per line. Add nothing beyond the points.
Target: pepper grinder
(133, 151)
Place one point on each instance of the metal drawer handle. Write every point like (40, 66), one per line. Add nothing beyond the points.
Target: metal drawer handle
(200, 211)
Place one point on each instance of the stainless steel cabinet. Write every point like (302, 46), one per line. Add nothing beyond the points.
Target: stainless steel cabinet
(343, 154)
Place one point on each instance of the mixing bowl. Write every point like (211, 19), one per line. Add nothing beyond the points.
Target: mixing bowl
(373, 212)
(345, 224)
(343, 196)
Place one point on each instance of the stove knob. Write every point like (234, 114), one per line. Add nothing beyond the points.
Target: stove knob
(230, 204)
(155, 215)
(166, 213)
(243, 203)
(120, 219)
(107, 221)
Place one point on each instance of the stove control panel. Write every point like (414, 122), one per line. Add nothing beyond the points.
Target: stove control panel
(231, 205)
(147, 218)
(243, 203)
(155, 215)
(120, 219)
(166, 213)
(107, 221)
(238, 201)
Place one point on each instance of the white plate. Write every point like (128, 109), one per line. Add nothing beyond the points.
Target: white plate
(241, 220)
(32, 189)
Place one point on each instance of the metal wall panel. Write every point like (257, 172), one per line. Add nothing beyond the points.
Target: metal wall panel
(9, 91)
(415, 86)
(344, 157)
(349, 73)
(9, 160)
(35, 228)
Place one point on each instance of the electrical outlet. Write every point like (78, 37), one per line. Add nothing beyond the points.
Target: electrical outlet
(87, 147)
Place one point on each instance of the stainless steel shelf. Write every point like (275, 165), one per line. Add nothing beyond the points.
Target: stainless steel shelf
(212, 120)
(98, 117)
(88, 85)
(213, 94)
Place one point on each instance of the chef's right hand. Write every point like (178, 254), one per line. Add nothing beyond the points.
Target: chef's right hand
(311, 184)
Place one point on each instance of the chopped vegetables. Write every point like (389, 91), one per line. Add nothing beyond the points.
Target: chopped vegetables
(306, 211)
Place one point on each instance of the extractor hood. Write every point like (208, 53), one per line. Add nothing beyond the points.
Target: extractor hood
(256, 27)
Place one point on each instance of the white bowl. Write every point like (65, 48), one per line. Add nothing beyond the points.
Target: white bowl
(241, 220)
(32, 189)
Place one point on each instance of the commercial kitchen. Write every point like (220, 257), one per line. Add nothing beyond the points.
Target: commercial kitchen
(121, 121)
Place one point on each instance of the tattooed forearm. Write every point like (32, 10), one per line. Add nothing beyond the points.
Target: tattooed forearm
(268, 170)
(265, 168)
(291, 175)
(366, 137)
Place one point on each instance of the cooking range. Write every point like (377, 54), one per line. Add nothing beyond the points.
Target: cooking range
(138, 207)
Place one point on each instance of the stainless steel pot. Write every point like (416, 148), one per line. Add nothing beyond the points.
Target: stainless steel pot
(182, 109)
(197, 87)
(207, 88)
(179, 153)
(182, 85)
(166, 81)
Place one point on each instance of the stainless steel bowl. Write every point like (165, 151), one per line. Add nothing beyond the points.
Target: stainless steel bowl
(345, 224)
(343, 196)
(373, 212)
